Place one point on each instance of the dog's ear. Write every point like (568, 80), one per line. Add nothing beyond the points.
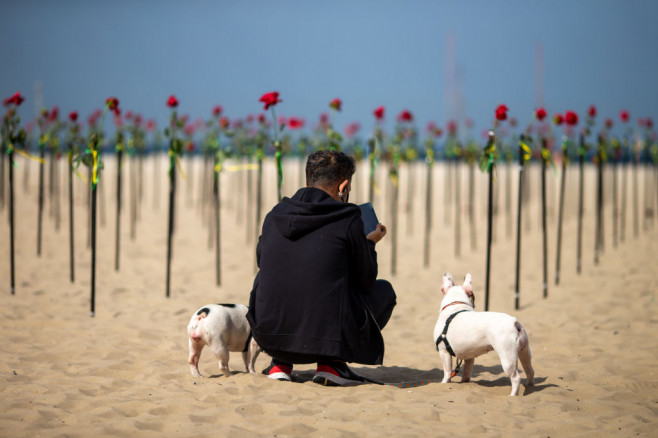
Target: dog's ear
(448, 282)
(468, 288)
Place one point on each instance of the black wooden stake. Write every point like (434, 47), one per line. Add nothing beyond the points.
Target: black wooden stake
(428, 208)
(558, 249)
(458, 207)
(217, 199)
(11, 219)
(118, 216)
(71, 234)
(598, 238)
(517, 290)
(490, 170)
(41, 183)
(543, 214)
(170, 227)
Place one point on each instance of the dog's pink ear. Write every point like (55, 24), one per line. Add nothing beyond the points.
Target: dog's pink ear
(468, 288)
(448, 282)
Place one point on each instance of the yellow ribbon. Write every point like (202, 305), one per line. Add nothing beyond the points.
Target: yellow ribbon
(527, 151)
(31, 157)
(94, 174)
(180, 169)
(238, 167)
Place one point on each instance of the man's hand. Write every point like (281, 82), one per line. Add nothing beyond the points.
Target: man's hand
(377, 234)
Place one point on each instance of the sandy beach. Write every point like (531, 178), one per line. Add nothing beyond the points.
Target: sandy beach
(124, 372)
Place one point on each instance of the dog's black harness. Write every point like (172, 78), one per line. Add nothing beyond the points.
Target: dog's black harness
(443, 338)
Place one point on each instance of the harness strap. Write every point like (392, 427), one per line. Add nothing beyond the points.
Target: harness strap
(443, 338)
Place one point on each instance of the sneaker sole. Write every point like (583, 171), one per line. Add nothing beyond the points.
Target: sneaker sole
(328, 379)
(280, 376)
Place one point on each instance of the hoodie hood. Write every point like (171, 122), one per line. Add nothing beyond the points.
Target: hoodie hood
(308, 210)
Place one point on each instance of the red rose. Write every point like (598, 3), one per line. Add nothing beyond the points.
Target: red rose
(73, 116)
(649, 123)
(558, 119)
(138, 120)
(592, 111)
(190, 146)
(451, 127)
(150, 125)
(262, 119)
(352, 129)
(501, 112)
(379, 113)
(217, 110)
(52, 115)
(129, 115)
(336, 104)
(540, 113)
(270, 99)
(624, 116)
(295, 123)
(608, 123)
(250, 118)
(172, 102)
(112, 103)
(224, 122)
(571, 118)
(324, 119)
(405, 116)
(16, 99)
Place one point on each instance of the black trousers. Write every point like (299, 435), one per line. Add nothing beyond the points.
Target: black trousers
(381, 299)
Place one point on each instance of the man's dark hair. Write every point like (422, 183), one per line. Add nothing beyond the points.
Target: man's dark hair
(326, 167)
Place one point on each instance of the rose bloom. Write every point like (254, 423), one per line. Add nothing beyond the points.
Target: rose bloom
(73, 116)
(172, 102)
(379, 113)
(250, 118)
(295, 123)
(52, 115)
(405, 116)
(129, 115)
(150, 125)
(649, 122)
(540, 113)
(324, 119)
(16, 99)
(592, 111)
(501, 112)
(352, 129)
(451, 127)
(270, 99)
(217, 110)
(224, 122)
(112, 103)
(558, 119)
(261, 119)
(624, 116)
(608, 123)
(336, 104)
(571, 118)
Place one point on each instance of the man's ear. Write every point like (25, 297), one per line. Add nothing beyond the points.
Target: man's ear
(343, 186)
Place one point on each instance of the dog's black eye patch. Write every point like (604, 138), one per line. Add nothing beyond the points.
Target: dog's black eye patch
(204, 310)
(226, 305)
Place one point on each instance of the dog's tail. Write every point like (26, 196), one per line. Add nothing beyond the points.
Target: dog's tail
(522, 336)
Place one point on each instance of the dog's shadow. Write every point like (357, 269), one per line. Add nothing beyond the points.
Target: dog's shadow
(405, 377)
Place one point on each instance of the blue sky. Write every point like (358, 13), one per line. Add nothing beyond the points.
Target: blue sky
(368, 53)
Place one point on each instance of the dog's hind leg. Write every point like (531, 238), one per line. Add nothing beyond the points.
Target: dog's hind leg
(468, 367)
(195, 353)
(526, 362)
(222, 355)
(509, 360)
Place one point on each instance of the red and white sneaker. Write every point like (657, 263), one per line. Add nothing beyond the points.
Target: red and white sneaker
(279, 371)
(336, 374)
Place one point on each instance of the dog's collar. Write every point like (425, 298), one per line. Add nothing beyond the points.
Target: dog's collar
(455, 302)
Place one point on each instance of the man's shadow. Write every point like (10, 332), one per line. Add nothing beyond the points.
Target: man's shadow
(405, 377)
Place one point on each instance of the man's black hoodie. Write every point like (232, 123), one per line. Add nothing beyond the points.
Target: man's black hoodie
(315, 265)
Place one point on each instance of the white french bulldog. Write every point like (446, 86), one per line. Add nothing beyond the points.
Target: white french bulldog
(224, 327)
(470, 334)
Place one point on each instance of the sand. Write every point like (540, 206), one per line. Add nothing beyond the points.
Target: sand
(124, 372)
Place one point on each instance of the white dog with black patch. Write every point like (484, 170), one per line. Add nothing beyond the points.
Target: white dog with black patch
(224, 327)
(464, 333)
